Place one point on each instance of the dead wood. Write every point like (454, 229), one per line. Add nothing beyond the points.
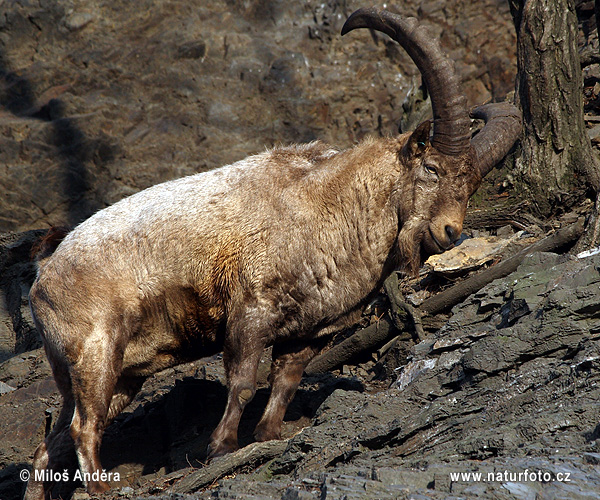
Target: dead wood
(366, 339)
(250, 456)
(498, 216)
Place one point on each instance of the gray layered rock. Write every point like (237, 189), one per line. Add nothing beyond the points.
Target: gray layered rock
(510, 385)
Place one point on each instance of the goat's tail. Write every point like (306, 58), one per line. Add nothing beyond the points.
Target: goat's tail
(46, 244)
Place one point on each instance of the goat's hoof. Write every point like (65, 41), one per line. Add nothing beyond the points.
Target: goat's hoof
(265, 434)
(97, 487)
(219, 449)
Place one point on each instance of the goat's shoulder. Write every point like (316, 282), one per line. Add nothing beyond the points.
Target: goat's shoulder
(313, 152)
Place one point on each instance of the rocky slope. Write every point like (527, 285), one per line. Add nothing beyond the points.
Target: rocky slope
(508, 386)
(101, 99)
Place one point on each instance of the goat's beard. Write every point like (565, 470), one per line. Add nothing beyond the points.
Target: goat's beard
(409, 250)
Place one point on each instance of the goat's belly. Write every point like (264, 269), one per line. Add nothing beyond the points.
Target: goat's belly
(175, 328)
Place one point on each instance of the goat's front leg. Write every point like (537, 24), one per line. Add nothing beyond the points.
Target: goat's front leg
(289, 361)
(241, 355)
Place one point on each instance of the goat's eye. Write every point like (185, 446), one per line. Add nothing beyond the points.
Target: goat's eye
(430, 169)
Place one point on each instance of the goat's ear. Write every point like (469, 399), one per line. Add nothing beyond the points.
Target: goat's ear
(418, 141)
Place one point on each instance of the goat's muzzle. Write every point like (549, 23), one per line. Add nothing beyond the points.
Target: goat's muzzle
(433, 243)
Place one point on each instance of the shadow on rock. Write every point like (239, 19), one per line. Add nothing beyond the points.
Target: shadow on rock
(73, 147)
(165, 434)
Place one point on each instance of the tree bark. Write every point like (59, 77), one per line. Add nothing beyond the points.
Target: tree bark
(555, 164)
(250, 456)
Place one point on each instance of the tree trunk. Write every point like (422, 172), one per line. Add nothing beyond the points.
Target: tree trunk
(555, 165)
(597, 14)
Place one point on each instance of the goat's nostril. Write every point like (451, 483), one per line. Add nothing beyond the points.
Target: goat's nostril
(452, 233)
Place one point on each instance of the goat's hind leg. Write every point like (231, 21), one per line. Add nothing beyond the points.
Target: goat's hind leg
(57, 452)
(94, 378)
(125, 390)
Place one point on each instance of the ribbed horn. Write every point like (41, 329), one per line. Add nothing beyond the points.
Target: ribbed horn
(451, 123)
(502, 128)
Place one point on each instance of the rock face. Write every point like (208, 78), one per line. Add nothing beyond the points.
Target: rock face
(17, 272)
(99, 100)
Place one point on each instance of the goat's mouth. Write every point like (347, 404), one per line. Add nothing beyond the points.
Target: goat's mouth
(432, 245)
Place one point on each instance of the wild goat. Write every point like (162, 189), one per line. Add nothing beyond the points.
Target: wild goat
(278, 249)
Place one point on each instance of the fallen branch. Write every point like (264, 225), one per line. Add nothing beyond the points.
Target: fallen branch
(363, 340)
(252, 455)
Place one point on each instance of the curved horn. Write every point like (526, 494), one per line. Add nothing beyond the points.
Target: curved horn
(451, 123)
(502, 128)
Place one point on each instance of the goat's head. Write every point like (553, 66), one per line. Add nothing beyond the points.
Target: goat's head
(446, 170)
